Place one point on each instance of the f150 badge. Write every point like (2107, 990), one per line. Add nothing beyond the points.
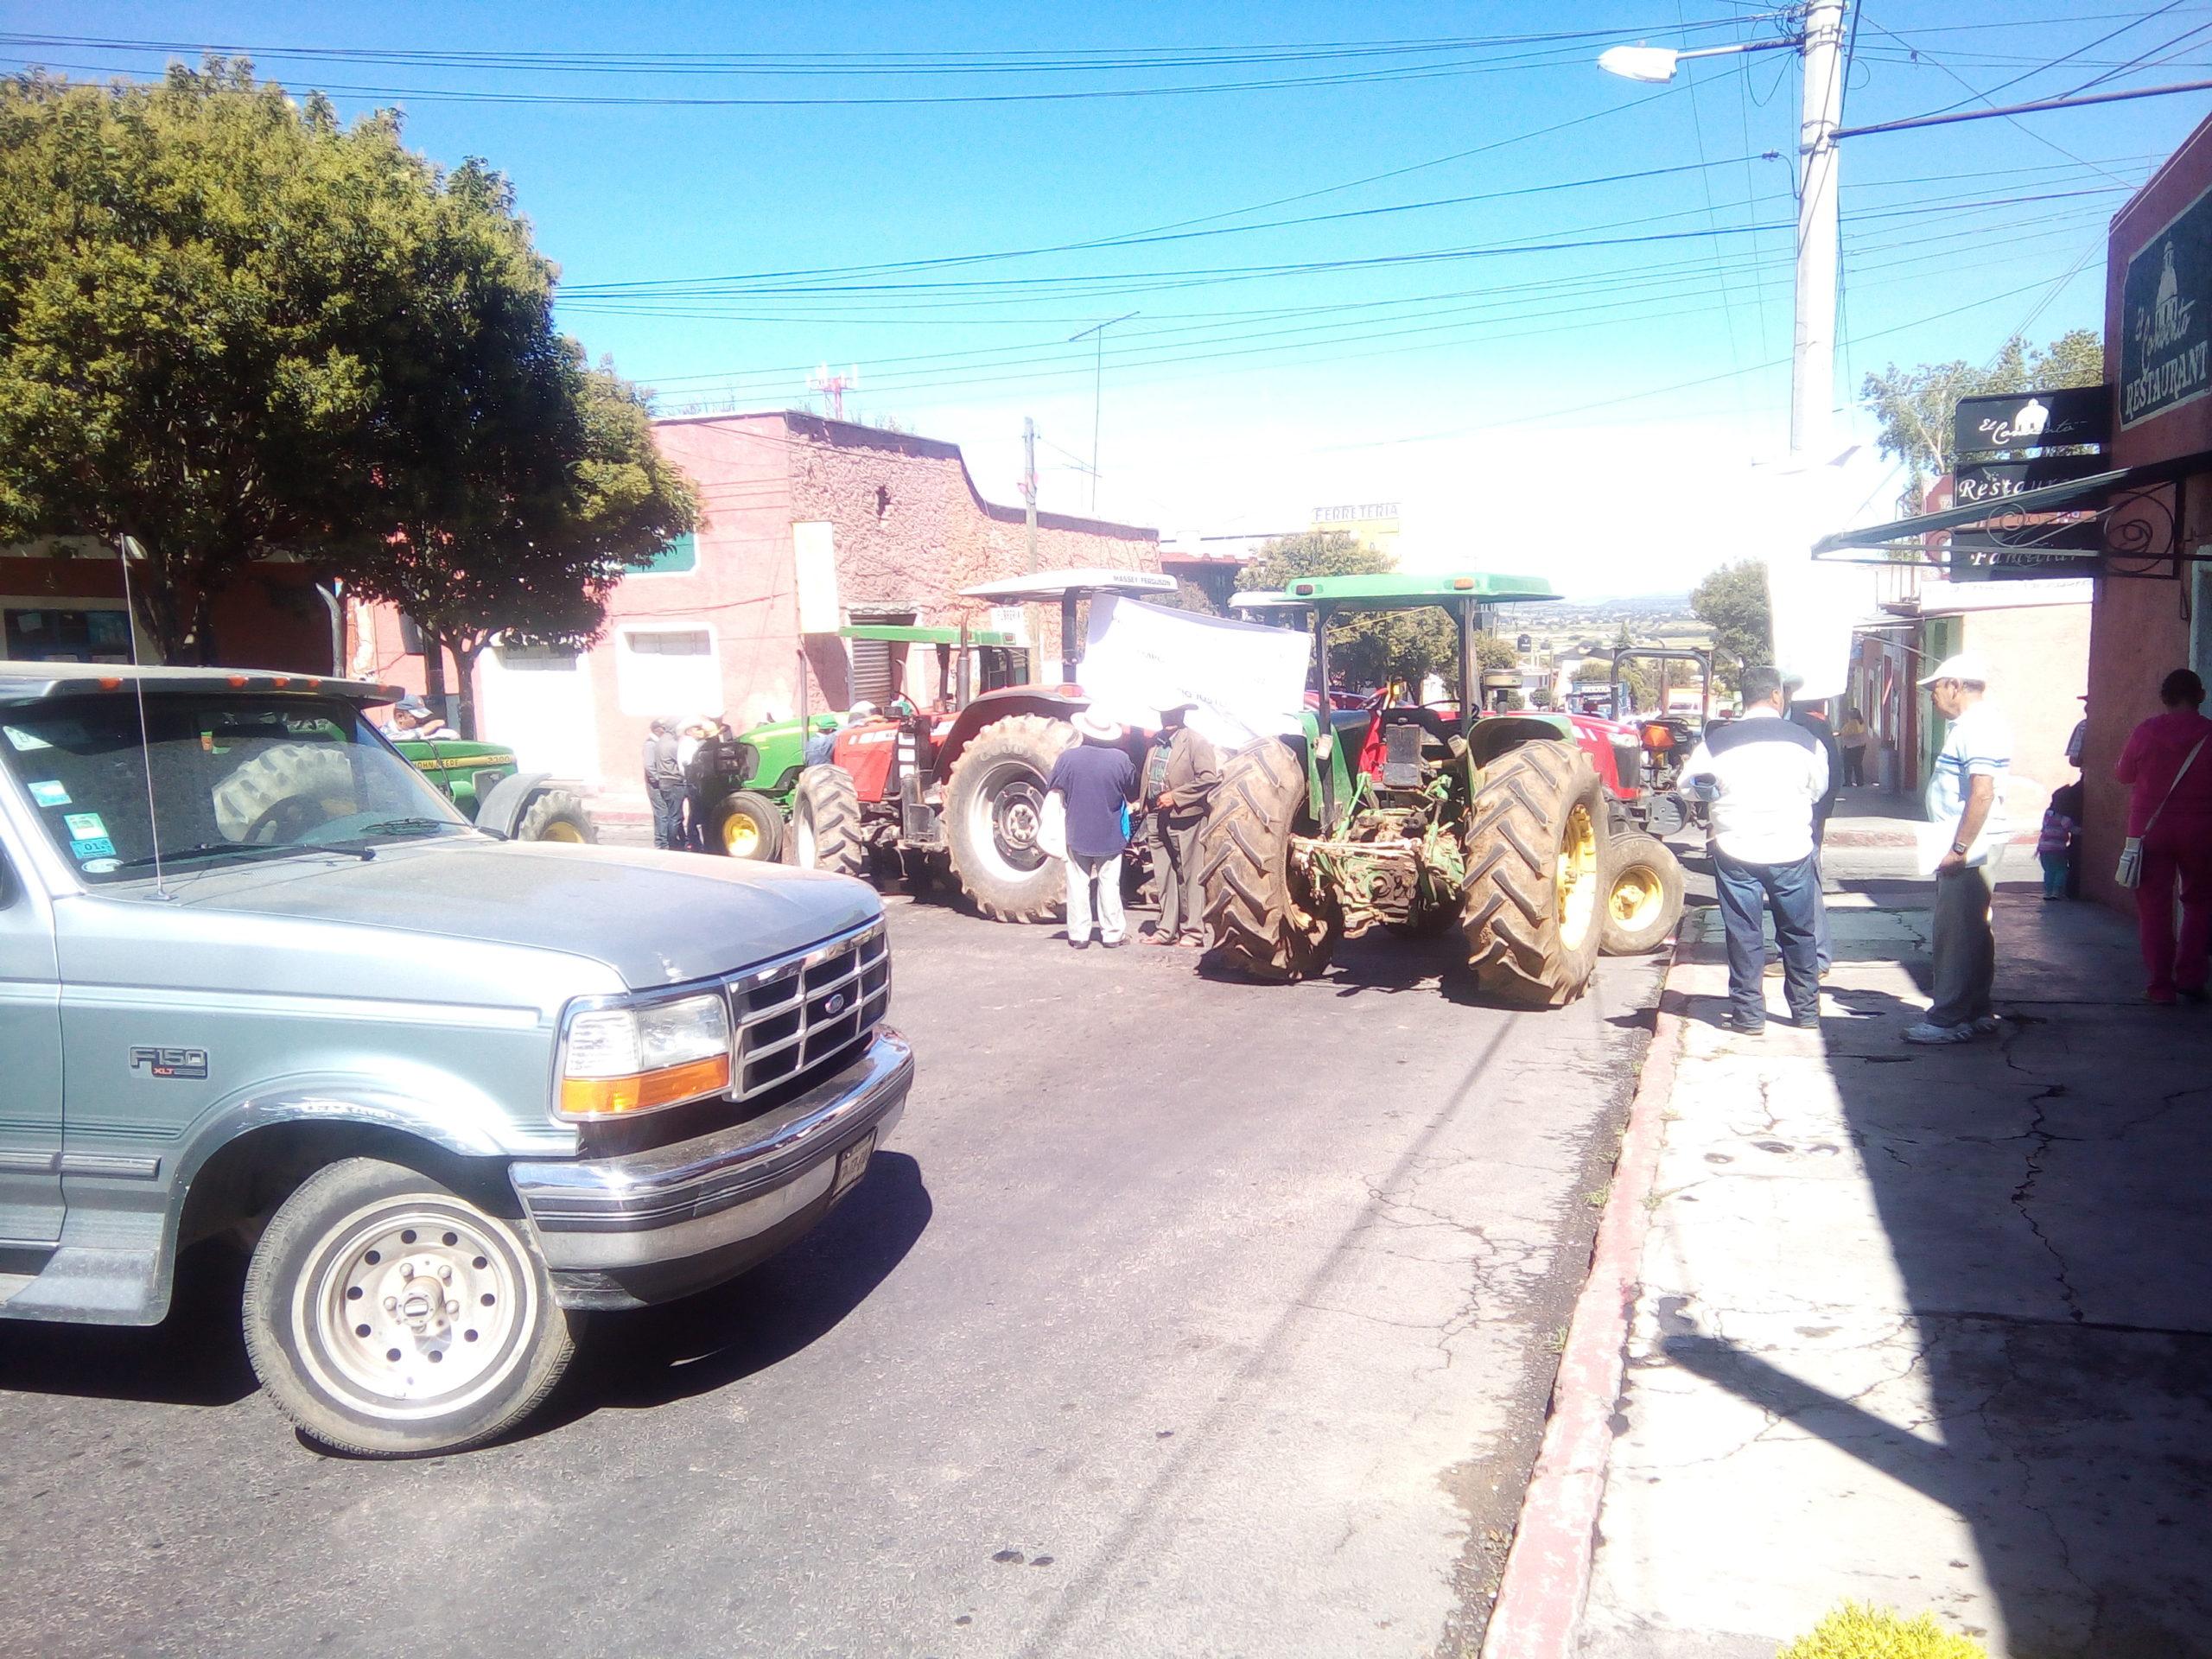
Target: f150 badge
(170, 1062)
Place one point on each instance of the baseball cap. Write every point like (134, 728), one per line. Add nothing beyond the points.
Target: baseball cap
(412, 706)
(1965, 666)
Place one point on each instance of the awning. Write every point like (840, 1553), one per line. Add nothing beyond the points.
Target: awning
(2092, 494)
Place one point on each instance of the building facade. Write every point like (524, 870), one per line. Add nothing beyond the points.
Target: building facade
(807, 525)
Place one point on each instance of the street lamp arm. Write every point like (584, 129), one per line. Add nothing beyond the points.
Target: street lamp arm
(1655, 65)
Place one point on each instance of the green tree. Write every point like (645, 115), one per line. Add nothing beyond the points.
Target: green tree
(1189, 596)
(1915, 405)
(229, 326)
(1370, 650)
(1732, 603)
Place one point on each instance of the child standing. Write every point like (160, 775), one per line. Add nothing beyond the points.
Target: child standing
(2062, 829)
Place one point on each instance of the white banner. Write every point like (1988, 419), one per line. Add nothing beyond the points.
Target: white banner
(1244, 682)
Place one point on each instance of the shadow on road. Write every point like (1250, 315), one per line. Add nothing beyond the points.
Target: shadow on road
(196, 1358)
(633, 1362)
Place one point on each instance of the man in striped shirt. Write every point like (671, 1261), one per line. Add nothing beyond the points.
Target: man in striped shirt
(1966, 793)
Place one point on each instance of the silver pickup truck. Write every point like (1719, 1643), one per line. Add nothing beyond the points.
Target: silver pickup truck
(258, 978)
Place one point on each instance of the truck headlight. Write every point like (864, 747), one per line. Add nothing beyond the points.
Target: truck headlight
(620, 1059)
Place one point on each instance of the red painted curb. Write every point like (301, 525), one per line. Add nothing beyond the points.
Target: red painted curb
(1540, 1599)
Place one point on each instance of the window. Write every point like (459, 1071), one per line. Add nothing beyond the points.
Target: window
(679, 558)
(71, 636)
(670, 671)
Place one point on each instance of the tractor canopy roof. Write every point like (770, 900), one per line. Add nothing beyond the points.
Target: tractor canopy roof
(1398, 590)
(900, 634)
(1040, 586)
(1269, 599)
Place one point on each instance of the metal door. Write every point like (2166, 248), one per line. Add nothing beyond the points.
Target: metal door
(30, 1077)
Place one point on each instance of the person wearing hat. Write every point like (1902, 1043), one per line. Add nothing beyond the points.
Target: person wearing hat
(1096, 780)
(1189, 769)
(1965, 802)
(412, 718)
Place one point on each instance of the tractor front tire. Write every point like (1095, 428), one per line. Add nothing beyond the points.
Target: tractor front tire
(994, 801)
(1264, 918)
(825, 826)
(747, 825)
(1644, 893)
(556, 815)
(1531, 907)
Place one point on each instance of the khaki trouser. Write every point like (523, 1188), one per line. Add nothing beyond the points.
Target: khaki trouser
(1181, 907)
(1964, 947)
(1104, 874)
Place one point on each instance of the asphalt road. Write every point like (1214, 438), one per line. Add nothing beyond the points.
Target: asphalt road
(1179, 1317)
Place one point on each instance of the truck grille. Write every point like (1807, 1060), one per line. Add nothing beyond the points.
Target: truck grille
(793, 1013)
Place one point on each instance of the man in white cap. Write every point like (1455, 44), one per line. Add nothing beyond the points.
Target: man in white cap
(1096, 780)
(1965, 801)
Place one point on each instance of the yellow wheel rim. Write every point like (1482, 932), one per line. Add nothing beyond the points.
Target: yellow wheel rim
(1636, 897)
(1577, 879)
(560, 830)
(740, 836)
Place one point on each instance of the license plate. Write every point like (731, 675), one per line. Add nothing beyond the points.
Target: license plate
(852, 1163)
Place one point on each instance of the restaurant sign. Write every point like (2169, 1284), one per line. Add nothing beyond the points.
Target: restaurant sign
(2062, 417)
(2029, 553)
(1978, 481)
(2165, 336)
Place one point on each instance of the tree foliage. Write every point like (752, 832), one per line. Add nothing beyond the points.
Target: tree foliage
(229, 326)
(1371, 651)
(1732, 601)
(1915, 405)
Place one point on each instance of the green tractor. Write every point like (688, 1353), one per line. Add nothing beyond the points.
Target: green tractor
(1415, 817)
(483, 780)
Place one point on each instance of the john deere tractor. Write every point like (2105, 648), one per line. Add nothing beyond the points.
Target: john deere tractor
(1418, 818)
(483, 780)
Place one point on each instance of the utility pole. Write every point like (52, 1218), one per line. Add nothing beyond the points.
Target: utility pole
(1029, 483)
(1097, 391)
(1812, 366)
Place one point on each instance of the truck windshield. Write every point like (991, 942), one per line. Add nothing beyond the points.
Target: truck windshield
(235, 776)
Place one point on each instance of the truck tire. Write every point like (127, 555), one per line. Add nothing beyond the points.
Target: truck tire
(390, 1315)
(825, 826)
(745, 824)
(556, 815)
(1529, 907)
(1644, 893)
(1262, 916)
(288, 788)
(994, 797)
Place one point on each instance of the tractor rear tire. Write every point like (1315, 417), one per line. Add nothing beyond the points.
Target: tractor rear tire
(1531, 907)
(556, 815)
(1644, 893)
(747, 825)
(1264, 920)
(825, 826)
(994, 799)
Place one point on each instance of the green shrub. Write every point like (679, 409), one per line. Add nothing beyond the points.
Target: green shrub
(1856, 1631)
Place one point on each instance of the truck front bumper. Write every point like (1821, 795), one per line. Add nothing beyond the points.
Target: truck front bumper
(651, 1226)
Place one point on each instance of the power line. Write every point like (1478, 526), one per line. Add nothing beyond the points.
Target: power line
(2069, 57)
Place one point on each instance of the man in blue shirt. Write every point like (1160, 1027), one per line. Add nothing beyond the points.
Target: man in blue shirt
(1096, 780)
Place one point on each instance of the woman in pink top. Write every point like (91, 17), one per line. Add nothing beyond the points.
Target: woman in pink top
(2178, 846)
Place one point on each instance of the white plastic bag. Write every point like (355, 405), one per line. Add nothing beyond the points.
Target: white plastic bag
(1052, 826)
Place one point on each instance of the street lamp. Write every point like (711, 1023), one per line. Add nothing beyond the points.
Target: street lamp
(1812, 361)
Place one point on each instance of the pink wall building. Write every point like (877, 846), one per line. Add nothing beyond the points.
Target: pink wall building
(842, 522)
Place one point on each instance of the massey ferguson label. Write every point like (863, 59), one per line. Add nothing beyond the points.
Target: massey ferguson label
(2165, 343)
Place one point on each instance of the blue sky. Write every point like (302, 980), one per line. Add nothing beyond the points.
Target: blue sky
(1512, 398)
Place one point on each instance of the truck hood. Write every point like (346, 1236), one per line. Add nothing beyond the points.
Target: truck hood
(655, 918)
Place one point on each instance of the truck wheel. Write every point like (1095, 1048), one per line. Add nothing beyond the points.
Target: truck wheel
(746, 825)
(1643, 894)
(1264, 917)
(387, 1316)
(825, 827)
(994, 798)
(556, 815)
(1530, 906)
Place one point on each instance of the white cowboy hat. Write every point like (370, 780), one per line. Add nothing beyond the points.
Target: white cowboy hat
(1089, 723)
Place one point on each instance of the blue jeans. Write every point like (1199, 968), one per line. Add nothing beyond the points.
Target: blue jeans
(668, 814)
(1793, 891)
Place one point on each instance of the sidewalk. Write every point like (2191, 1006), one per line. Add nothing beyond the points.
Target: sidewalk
(1931, 1328)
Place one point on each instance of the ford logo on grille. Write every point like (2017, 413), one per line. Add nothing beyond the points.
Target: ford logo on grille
(835, 1004)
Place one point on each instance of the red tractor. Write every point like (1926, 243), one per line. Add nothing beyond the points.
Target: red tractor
(961, 787)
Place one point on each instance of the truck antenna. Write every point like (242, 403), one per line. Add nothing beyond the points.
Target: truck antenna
(145, 735)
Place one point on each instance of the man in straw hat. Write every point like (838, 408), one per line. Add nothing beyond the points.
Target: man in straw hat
(1096, 780)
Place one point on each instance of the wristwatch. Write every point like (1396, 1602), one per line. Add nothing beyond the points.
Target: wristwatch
(1958, 846)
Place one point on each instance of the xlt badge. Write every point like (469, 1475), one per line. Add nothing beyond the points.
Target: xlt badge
(170, 1062)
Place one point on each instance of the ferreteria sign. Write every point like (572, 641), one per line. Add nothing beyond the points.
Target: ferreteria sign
(2059, 418)
(2165, 343)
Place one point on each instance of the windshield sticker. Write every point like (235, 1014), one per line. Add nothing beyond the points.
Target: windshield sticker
(48, 792)
(84, 826)
(101, 866)
(87, 847)
(25, 740)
